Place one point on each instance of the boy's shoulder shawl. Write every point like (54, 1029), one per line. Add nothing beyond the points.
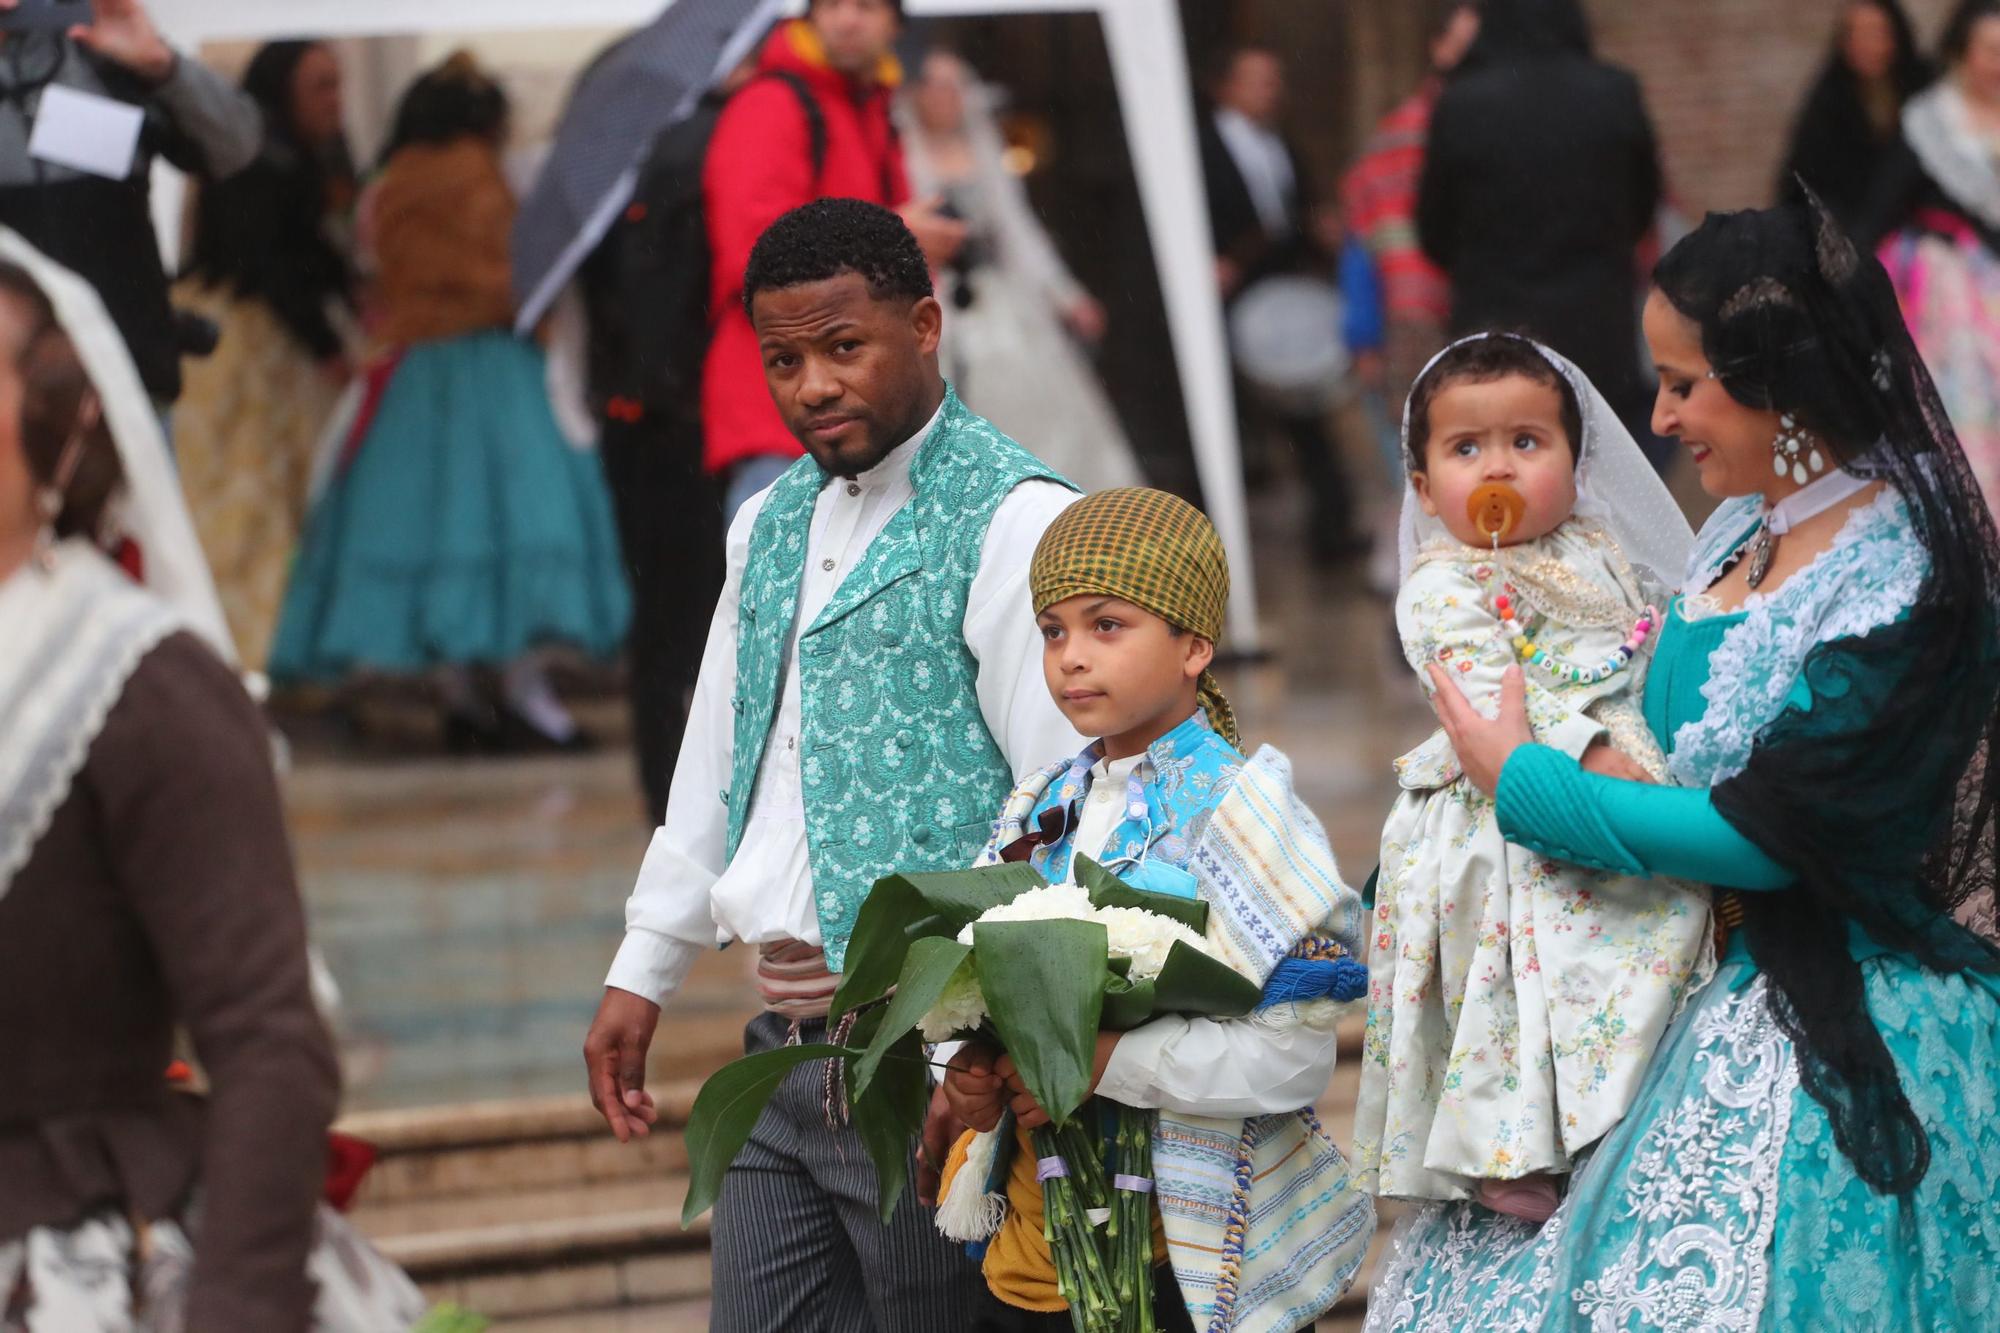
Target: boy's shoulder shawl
(1268, 871)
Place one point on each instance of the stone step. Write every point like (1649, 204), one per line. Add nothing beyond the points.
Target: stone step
(457, 1153)
(661, 1317)
(529, 1212)
(660, 1291)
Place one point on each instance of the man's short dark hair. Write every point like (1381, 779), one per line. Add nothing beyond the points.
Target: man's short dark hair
(829, 237)
(1222, 68)
(1481, 361)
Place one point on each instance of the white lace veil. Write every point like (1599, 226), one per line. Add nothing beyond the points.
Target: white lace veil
(1022, 246)
(151, 510)
(1615, 486)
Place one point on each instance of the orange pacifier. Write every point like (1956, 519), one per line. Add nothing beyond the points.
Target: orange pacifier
(1495, 510)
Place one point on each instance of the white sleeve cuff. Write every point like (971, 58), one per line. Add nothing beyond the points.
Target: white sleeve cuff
(1262, 1064)
(1573, 735)
(1129, 1073)
(651, 965)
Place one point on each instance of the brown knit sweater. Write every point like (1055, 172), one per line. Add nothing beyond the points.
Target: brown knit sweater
(443, 220)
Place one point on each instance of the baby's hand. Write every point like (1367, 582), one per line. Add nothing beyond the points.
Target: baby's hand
(1605, 759)
(977, 1095)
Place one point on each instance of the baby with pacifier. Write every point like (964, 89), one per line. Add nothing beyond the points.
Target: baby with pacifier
(1514, 1001)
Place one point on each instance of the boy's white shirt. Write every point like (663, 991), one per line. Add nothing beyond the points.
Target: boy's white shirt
(690, 896)
(1265, 1063)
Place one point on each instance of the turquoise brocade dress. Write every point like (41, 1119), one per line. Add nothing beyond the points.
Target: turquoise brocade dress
(1721, 1201)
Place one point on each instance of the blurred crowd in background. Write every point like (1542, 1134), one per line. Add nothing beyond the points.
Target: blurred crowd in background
(391, 480)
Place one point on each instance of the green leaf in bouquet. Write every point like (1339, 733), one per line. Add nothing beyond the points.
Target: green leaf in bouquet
(726, 1110)
(1107, 890)
(927, 970)
(1127, 1003)
(1044, 986)
(961, 897)
(901, 909)
(1194, 983)
(878, 943)
(889, 1114)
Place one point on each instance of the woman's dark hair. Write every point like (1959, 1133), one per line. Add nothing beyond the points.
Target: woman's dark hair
(1513, 32)
(1844, 131)
(1439, 15)
(450, 102)
(55, 410)
(260, 234)
(1880, 794)
(1481, 361)
(1958, 32)
(1910, 72)
(268, 79)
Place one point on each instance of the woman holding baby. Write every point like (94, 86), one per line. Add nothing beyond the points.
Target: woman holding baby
(1815, 1137)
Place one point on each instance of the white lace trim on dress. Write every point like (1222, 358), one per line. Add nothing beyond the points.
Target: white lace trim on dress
(75, 633)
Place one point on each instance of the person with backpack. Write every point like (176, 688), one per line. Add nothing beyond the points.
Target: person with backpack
(645, 302)
(812, 123)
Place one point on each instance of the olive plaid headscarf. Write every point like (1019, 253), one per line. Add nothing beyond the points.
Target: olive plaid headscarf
(1151, 549)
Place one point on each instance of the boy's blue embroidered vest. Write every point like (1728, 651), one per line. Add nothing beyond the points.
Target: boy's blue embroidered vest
(1183, 777)
(898, 770)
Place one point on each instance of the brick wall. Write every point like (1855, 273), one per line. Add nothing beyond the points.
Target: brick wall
(1723, 78)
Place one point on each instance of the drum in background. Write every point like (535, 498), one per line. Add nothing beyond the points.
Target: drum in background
(1284, 332)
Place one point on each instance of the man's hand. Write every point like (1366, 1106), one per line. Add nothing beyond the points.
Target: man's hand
(1605, 758)
(1028, 1113)
(1085, 318)
(1228, 276)
(942, 1127)
(614, 1054)
(939, 236)
(122, 32)
(973, 1092)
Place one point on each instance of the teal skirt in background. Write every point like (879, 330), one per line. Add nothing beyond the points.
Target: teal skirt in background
(465, 529)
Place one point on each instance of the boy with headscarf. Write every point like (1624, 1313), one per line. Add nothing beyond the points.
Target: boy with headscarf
(1129, 588)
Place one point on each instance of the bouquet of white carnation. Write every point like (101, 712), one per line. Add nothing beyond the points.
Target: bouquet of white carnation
(1141, 938)
(1037, 970)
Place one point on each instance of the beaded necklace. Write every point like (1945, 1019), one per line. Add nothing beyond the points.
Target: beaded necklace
(1495, 509)
(1531, 652)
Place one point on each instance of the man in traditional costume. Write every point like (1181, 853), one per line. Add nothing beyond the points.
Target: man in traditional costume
(872, 684)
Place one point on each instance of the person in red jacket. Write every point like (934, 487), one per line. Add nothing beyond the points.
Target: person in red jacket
(760, 165)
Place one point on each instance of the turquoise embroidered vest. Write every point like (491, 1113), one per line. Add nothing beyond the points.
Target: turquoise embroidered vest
(898, 769)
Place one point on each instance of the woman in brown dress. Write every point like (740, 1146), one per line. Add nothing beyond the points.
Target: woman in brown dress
(146, 889)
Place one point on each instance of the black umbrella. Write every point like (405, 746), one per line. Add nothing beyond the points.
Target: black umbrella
(646, 82)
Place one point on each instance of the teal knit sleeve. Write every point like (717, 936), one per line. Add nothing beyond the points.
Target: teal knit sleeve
(1549, 804)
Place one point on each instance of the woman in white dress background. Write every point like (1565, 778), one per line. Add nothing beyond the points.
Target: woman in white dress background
(1019, 319)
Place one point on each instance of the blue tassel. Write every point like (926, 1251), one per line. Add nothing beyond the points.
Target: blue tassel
(1297, 979)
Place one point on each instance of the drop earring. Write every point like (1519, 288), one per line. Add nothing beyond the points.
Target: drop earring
(1796, 452)
(48, 508)
(50, 499)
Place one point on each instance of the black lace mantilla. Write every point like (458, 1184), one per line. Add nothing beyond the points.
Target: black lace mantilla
(1881, 798)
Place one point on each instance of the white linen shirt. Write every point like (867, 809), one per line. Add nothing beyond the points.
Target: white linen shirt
(690, 895)
(1264, 1063)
